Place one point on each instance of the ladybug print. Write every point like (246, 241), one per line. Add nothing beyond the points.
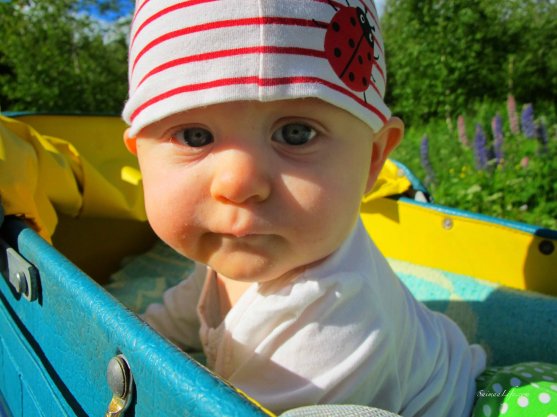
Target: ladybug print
(349, 47)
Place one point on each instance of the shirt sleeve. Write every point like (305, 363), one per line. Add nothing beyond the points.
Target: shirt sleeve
(176, 317)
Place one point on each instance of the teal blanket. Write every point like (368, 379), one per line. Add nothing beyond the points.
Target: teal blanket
(513, 326)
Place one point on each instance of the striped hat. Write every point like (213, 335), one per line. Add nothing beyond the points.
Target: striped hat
(188, 54)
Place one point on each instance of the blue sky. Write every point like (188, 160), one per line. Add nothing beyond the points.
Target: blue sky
(93, 11)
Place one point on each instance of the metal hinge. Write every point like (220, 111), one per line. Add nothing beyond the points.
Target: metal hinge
(22, 276)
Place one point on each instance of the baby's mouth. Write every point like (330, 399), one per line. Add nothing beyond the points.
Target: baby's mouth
(244, 230)
(243, 237)
(242, 225)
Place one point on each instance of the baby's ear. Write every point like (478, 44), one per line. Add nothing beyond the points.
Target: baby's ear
(130, 142)
(384, 142)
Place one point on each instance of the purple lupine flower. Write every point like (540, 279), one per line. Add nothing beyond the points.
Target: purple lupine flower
(461, 125)
(513, 117)
(541, 133)
(528, 125)
(425, 160)
(497, 130)
(480, 148)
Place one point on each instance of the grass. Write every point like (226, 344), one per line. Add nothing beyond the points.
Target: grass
(485, 165)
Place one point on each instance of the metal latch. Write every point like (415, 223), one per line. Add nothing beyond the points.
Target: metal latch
(22, 276)
(120, 381)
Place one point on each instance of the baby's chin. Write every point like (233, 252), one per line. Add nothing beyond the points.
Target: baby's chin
(261, 270)
(255, 270)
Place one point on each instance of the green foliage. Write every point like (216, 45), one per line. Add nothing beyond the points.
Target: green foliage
(444, 54)
(521, 187)
(54, 57)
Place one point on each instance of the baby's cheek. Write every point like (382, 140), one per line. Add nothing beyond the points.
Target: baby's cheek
(160, 206)
(173, 216)
(303, 193)
(158, 218)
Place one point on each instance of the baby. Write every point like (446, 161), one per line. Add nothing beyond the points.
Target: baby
(259, 125)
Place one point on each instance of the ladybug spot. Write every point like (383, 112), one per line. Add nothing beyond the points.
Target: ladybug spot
(351, 76)
(369, 56)
(360, 59)
(338, 52)
(364, 82)
(336, 26)
(351, 43)
(353, 21)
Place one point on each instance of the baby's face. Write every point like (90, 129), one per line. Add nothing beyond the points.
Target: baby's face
(258, 191)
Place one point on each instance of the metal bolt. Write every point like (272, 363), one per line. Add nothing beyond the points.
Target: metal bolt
(546, 247)
(448, 223)
(23, 276)
(118, 376)
(120, 381)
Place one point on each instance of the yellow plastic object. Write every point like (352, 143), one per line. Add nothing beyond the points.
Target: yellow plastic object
(35, 176)
(462, 243)
(73, 180)
(391, 181)
(77, 166)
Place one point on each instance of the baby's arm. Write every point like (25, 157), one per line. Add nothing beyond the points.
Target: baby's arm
(176, 318)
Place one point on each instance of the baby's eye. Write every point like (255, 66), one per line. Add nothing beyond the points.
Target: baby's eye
(194, 137)
(295, 134)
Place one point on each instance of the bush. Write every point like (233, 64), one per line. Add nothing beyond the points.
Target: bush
(54, 57)
(496, 160)
(445, 54)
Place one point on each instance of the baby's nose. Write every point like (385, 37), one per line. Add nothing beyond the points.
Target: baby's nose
(240, 177)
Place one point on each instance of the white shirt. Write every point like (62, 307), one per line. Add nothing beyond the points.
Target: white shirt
(345, 331)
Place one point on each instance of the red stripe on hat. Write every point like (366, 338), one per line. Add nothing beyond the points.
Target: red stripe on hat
(234, 52)
(330, 2)
(372, 85)
(335, 4)
(164, 12)
(287, 21)
(262, 82)
(377, 45)
(139, 9)
(380, 69)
